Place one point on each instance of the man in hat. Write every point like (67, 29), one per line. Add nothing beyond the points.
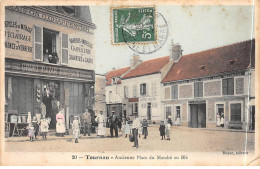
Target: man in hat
(135, 127)
(113, 124)
(86, 117)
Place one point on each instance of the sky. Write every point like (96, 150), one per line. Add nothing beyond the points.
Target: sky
(195, 28)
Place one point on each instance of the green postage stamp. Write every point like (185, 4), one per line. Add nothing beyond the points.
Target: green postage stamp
(133, 25)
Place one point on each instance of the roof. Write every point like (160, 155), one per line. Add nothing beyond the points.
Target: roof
(212, 62)
(116, 73)
(148, 67)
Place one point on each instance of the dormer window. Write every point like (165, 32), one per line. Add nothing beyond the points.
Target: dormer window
(202, 67)
(231, 62)
(114, 79)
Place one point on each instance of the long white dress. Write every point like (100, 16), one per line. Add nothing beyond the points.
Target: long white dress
(100, 119)
(218, 120)
(60, 125)
(76, 130)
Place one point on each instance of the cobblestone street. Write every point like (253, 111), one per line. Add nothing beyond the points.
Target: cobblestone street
(182, 139)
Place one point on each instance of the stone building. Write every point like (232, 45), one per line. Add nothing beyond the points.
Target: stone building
(49, 60)
(221, 80)
(100, 94)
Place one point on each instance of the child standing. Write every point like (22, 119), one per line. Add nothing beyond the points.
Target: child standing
(168, 130)
(145, 128)
(162, 130)
(76, 130)
(30, 131)
(36, 126)
(45, 126)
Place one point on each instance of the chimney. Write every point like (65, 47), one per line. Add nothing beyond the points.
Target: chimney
(171, 50)
(177, 52)
(135, 60)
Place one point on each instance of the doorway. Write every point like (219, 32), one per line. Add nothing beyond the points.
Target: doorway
(148, 111)
(252, 112)
(198, 115)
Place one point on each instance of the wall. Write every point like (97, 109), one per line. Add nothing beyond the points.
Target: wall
(117, 93)
(100, 95)
(19, 37)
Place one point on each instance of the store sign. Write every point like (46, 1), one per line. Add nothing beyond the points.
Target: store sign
(38, 69)
(197, 102)
(50, 17)
(18, 37)
(81, 51)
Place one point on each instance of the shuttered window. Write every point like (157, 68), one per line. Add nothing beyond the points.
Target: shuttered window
(64, 49)
(198, 89)
(228, 86)
(174, 92)
(167, 93)
(143, 89)
(235, 112)
(126, 91)
(38, 43)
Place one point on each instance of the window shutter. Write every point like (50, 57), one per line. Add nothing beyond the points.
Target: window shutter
(38, 43)
(176, 92)
(147, 89)
(230, 86)
(64, 49)
(224, 87)
(196, 91)
(200, 89)
(141, 89)
(172, 92)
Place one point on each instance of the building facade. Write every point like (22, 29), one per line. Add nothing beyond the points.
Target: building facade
(100, 95)
(114, 91)
(201, 85)
(49, 61)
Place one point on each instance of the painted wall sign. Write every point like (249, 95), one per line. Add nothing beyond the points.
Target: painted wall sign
(81, 51)
(50, 17)
(38, 69)
(18, 38)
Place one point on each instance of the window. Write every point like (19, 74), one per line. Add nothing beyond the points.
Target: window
(174, 92)
(143, 89)
(235, 112)
(50, 46)
(114, 80)
(134, 91)
(228, 86)
(50, 39)
(125, 91)
(110, 96)
(136, 108)
(198, 89)
(178, 112)
(168, 111)
(154, 92)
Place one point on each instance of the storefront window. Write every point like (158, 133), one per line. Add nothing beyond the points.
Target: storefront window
(235, 112)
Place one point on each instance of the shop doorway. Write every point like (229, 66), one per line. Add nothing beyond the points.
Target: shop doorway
(252, 112)
(149, 111)
(198, 115)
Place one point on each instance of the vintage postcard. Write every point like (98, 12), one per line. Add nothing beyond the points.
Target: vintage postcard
(131, 83)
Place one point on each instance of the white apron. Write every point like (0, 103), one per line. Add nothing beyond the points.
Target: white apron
(100, 119)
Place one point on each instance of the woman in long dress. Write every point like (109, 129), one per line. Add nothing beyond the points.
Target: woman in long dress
(218, 120)
(127, 127)
(60, 125)
(222, 120)
(76, 129)
(178, 120)
(100, 119)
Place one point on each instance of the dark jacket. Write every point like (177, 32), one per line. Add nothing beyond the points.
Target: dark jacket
(162, 130)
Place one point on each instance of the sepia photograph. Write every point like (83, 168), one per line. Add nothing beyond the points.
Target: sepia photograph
(140, 83)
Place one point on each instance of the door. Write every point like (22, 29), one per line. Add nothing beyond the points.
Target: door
(202, 115)
(219, 111)
(149, 111)
(194, 115)
(253, 117)
(168, 111)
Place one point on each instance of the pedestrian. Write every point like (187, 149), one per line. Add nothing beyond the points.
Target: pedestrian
(168, 129)
(140, 130)
(222, 120)
(178, 120)
(113, 125)
(100, 119)
(120, 124)
(218, 120)
(60, 125)
(145, 128)
(86, 117)
(135, 127)
(127, 128)
(162, 130)
(36, 126)
(44, 126)
(76, 129)
(30, 131)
